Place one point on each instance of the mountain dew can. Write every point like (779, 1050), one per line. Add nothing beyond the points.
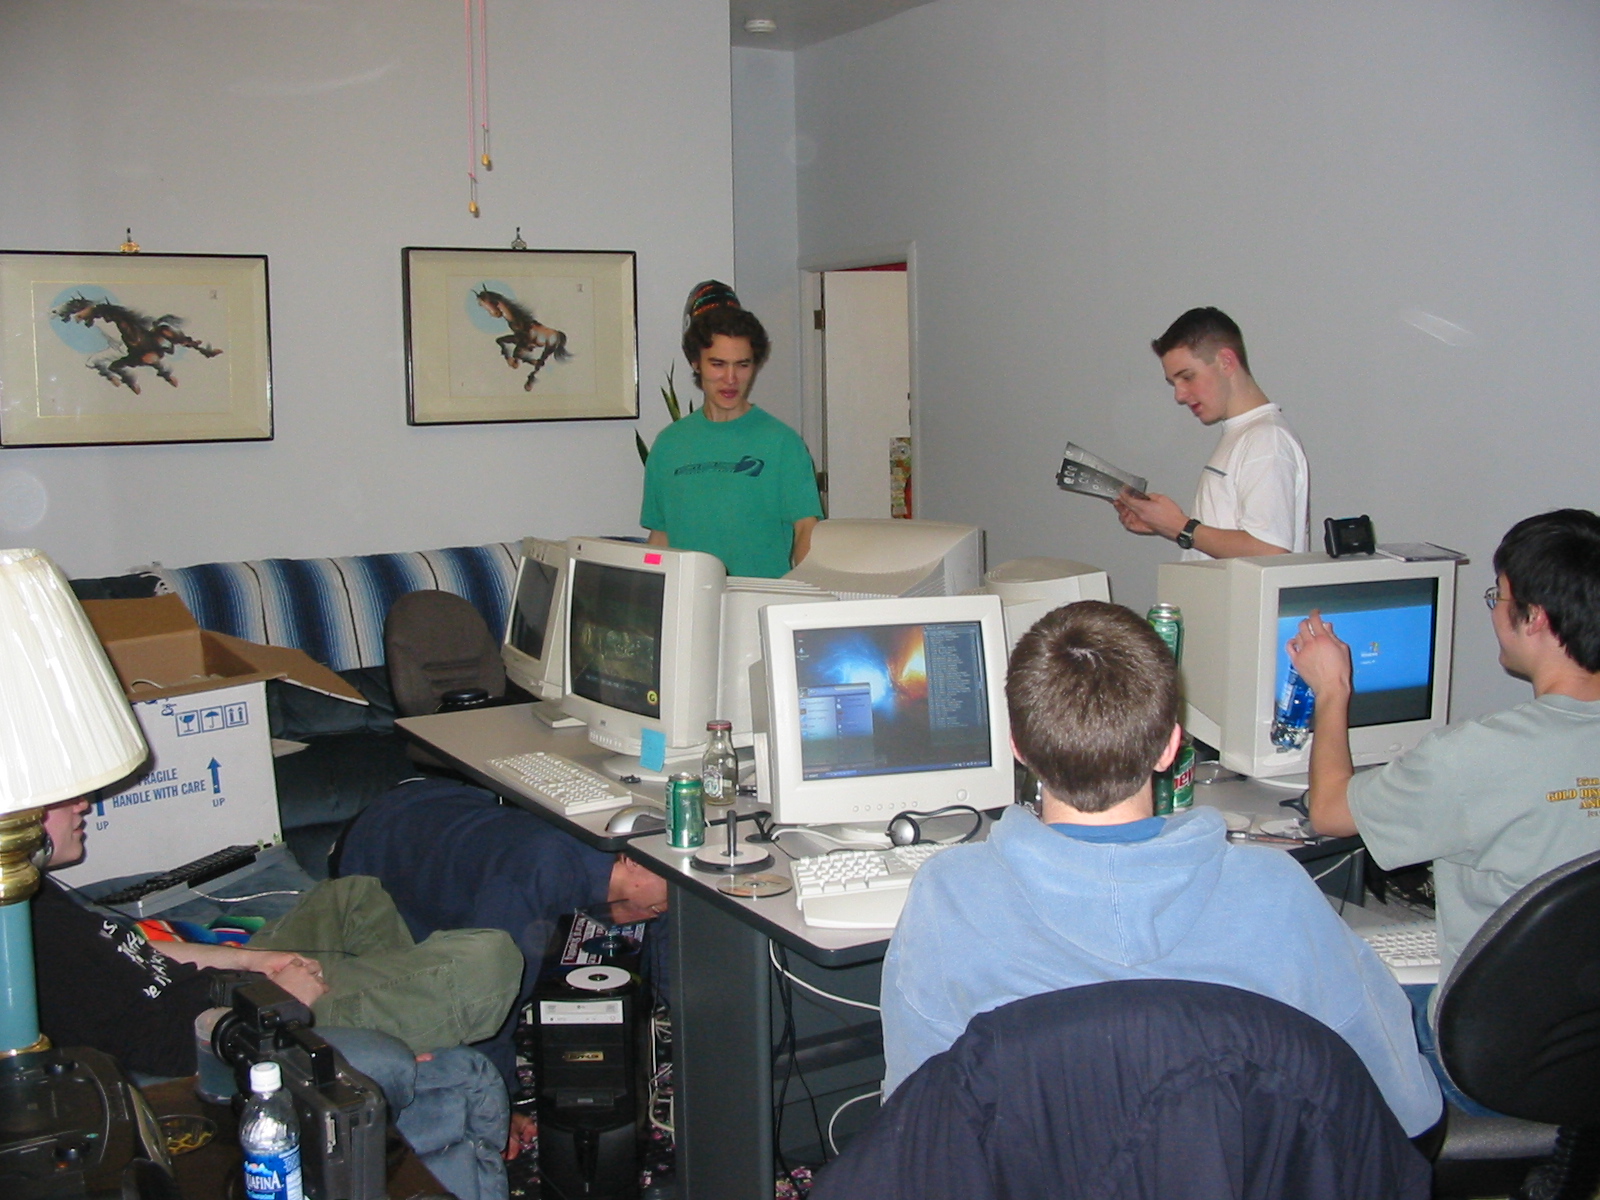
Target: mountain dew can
(1167, 621)
(686, 814)
(1183, 776)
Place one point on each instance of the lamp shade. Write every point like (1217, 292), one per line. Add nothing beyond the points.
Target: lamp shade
(65, 726)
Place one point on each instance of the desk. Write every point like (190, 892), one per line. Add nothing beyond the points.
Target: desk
(216, 1170)
(721, 984)
(470, 738)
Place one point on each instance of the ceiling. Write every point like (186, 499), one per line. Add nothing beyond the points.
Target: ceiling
(804, 22)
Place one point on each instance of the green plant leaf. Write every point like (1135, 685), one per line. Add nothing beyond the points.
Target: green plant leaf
(644, 451)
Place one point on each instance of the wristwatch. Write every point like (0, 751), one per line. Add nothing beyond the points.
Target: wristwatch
(1186, 538)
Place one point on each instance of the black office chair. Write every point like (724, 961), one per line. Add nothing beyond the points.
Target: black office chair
(1519, 1031)
(1135, 1088)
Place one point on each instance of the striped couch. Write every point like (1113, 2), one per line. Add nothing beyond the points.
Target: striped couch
(334, 608)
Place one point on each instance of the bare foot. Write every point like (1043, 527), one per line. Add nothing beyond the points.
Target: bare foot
(524, 1132)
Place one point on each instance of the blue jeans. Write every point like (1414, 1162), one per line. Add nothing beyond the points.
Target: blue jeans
(1419, 994)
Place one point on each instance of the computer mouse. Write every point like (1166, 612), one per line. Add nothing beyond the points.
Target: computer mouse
(636, 818)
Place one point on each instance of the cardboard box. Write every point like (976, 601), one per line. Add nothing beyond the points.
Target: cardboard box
(201, 700)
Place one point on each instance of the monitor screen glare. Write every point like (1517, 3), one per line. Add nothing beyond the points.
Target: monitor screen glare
(1389, 627)
(530, 613)
(615, 641)
(891, 699)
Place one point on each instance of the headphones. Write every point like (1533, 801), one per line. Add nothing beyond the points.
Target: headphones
(40, 858)
(905, 831)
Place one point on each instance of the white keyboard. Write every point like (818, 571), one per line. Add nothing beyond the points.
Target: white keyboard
(561, 783)
(857, 889)
(1409, 950)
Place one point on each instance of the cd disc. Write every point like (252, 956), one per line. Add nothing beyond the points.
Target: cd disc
(597, 978)
(755, 887)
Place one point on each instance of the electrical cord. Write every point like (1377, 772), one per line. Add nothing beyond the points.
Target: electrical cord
(832, 1145)
(772, 953)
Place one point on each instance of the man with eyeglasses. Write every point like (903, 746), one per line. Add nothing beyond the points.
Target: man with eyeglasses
(1496, 802)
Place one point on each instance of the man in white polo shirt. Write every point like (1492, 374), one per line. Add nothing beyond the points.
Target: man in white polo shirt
(1253, 496)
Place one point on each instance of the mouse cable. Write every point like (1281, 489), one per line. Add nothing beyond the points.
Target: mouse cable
(772, 953)
(832, 1145)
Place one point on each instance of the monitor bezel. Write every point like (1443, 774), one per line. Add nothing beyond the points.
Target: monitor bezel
(876, 798)
(691, 634)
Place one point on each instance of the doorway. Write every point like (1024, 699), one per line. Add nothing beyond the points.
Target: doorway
(863, 396)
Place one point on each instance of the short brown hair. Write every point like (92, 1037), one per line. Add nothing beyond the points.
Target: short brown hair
(1203, 331)
(1093, 697)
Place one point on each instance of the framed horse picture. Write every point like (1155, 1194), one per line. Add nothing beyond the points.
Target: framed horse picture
(120, 349)
(520, 335)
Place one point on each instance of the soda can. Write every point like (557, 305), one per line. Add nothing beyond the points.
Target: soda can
(1183, 776)
(1163, 793)
(1167, 621)
(686, 814)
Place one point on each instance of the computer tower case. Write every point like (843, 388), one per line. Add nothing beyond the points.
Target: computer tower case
(592, 1013)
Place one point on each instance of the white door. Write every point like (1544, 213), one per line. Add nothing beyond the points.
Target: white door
(866, 387)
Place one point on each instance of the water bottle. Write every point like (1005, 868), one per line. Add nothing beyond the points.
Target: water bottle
(1291, 719)
(270, 1138)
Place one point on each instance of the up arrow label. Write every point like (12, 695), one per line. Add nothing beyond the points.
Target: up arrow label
(216, 775)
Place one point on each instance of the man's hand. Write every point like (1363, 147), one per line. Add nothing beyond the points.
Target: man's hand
(301, 978)
(1321, 658)
(1154, 513)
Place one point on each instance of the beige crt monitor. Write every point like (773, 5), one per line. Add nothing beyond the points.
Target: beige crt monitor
(1031, 587)
(1238, 613)
(867, 558)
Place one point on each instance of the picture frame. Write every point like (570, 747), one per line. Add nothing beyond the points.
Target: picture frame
(520, 335)
(128, 349)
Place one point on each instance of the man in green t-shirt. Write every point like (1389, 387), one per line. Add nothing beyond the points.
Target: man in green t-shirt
(730, 479)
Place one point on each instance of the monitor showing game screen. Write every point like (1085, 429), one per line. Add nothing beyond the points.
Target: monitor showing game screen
(616, 637)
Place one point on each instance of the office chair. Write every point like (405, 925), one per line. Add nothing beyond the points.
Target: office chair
(440, 654)
(1135, 1088)
(1518, 1027)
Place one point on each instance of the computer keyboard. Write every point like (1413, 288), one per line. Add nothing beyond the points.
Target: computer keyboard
(857, 889)
(1409, 950)
(561, 783)
(170, 888)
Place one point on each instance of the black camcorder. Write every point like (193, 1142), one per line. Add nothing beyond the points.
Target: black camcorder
(341, 1112)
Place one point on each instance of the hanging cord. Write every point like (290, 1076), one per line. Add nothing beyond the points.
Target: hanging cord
(472, 110)
(483, 79)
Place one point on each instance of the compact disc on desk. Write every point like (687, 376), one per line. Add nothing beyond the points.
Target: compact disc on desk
(755, 887)
(597, 979)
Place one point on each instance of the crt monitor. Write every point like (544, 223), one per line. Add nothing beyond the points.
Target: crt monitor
(878, 706)
(861, 558)
(1031, 587)
(534, 637)
(643, 627)
(1397, 618)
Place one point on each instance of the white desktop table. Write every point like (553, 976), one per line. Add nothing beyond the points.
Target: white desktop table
(721, 991)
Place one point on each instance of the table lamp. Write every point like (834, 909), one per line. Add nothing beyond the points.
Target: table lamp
(65, 729)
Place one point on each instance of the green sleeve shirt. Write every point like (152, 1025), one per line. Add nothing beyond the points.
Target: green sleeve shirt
(731, 488)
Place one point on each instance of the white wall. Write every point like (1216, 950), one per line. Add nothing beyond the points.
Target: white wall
(328, 136)
(1333, 173)
(765, 221)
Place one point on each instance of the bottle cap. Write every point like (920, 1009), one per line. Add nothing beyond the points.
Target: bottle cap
(265, 1077)
(719, 724)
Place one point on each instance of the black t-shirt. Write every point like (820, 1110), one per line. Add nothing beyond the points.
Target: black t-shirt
(102, 984)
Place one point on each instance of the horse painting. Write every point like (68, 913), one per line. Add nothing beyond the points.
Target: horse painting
(528, 341)
(145, 342)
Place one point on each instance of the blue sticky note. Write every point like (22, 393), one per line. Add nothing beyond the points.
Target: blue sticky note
(652, 749)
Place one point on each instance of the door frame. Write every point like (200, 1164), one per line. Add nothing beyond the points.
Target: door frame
(813, 426)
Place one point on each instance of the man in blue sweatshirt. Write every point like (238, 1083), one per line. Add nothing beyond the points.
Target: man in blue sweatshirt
(1101, 889)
